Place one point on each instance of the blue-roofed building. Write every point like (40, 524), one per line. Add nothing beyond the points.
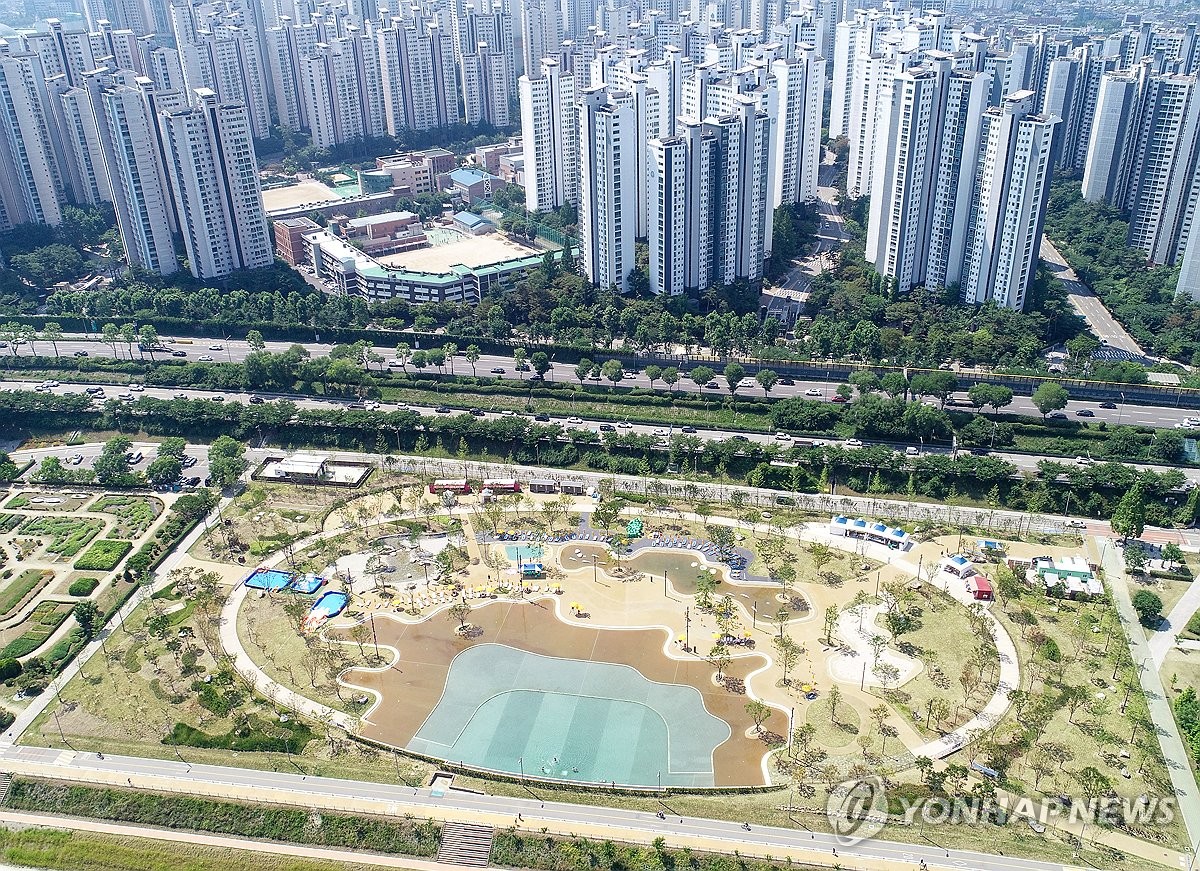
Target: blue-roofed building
(475, 225)
(470, 183)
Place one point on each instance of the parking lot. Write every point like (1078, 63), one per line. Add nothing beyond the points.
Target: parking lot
(84, 456)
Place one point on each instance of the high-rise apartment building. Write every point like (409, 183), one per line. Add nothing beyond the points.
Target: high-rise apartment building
(214, 180)
(550, 138)
(607, 190)
(29, 177)
(1008, 208)
(800, 82)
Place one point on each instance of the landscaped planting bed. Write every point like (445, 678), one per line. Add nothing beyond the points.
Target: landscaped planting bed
(134, 514)
(404, 836)
(83, 587)
(9, 522)
(42, 622)
(67, 535)
(18, 590)
(103, 556)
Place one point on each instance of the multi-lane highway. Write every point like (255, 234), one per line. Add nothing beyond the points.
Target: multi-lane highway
(1024, 462)
(235, 350)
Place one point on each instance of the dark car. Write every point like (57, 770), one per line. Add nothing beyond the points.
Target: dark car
(787, 382)
(738, 438)
(542, 418)
(1056, 415)
(607, 427)
(477, 412)
(442, 409)
(361, 405)
(498, 371)
(80, 354)
(256, 400)
(1109, 405)
(178, 353)
(688, 429)
(1085, 412)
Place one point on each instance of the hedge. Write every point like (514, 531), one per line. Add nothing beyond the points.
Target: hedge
(406, 836)
(104, 555)
(83, 586)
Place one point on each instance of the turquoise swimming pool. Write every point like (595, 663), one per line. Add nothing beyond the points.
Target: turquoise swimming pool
(269, 579)
(329, 605)
(523, 551)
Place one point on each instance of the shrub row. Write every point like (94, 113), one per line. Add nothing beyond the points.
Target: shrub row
(83, 586)
(406, 835)
(187, 511)
(103, 555)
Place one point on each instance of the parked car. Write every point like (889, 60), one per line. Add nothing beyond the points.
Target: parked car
(75, 459)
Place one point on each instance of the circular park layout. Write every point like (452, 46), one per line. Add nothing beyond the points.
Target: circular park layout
(638, 648)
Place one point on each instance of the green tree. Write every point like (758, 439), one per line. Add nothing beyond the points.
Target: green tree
(894, 384)
(994, 396)
(701, 375)
(653, 373)
(938, 384)
(52, 332)
(87, 615)
(112, 466)
(254, 339)
(1149, 608)
(734, 375)
(582, 369)
(1050, 396)
(110, 334)
(164, 471)
(670, 377)
(472, 355)
(540, 361)
(226, 461)
(612, 371)
(766, 379)
(1129, 517)
(759, 712)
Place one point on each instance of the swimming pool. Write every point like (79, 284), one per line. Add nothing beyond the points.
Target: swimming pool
(307, 583)
(329, 605)
(269, 579)
(523, 551)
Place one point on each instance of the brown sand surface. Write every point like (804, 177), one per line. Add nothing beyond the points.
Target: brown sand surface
(412, 687)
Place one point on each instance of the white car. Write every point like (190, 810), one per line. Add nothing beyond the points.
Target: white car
(912, 451)
(812, 391)
(575, 420)
(137, 388)
(1083, 461)
(1187, 421)
(782, 437)
(75, 459)
(625, 425)
(216, 347)
(205, 358)
(372, 406)
(853, 443)
(125, 397)
(661, 433)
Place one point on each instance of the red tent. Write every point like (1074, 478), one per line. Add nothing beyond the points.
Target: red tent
(980, 587)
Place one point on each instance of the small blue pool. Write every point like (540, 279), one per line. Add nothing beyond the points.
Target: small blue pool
(269, 579)
(307, 583)
(523, 551)
(329, 605)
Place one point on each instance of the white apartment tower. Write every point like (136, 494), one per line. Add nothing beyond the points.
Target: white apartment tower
(683, 210)
(797, 150)
(607, 192)
(1015, 164)
(420, 86)
(214, 179)
(141, 197)
(29, 180)
(550, 138)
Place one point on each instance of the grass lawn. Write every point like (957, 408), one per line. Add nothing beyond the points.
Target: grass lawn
(265, 517)
(272, 641)
(134, 514)
(1097, 732)
(103, 555)
(1180, 670)
(18, 590)
(67, 535)
(87, 851)
(1169, 590)
(945, 642)
(830, 735)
